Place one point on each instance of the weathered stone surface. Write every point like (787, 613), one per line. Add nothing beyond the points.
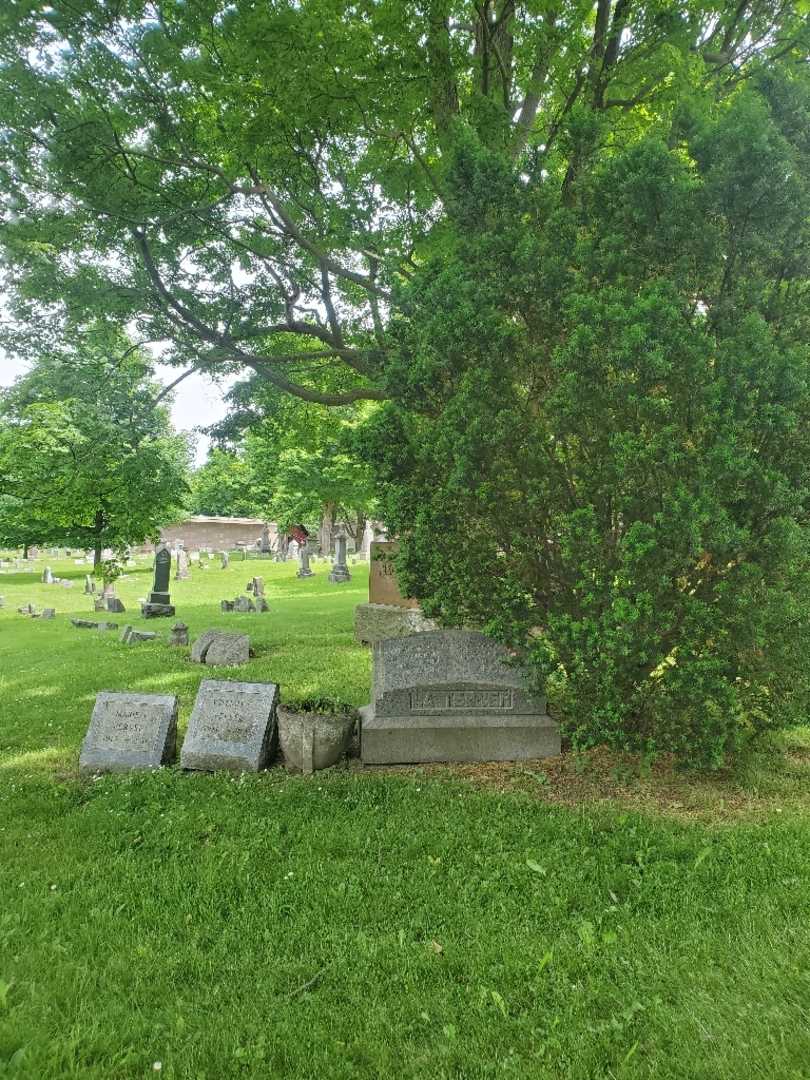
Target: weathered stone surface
(452, 695)
(226, 605)
(89, 585)
(383, 587)
(232, 726)
(84, 624)
(179, 634)
(124, 635)
(49, 613)
(104, 626)
(225, 560)
(311, 741)
(256, 586)
(201, 645)
(135, 637)
(130, 731)
(375, 622)
(262, 605)
(114, 605)
(243, 604)
(182, 573)
(228, 649)
(156, 611)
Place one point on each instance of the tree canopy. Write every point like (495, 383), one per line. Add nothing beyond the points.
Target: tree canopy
(263, 185)
(87, 456)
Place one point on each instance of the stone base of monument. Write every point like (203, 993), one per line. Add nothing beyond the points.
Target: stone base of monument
(157, 606)
(401, 740)
(452, 695)
(156, 611)
(375, 622)
(340, 574)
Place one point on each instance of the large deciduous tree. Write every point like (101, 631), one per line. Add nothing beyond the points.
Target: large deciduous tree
(87, 455)
(564, 244)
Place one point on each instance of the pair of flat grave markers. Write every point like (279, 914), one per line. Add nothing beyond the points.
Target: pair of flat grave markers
(232, 727)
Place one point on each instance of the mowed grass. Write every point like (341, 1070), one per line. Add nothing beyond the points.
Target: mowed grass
(412, 923)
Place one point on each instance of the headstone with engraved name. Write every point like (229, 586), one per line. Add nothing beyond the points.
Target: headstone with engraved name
(232, 726)
(130, 731)
(452, 695)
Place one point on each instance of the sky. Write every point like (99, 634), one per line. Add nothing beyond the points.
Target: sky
(198, 400)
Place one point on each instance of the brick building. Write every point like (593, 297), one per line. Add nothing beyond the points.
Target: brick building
(217, 533)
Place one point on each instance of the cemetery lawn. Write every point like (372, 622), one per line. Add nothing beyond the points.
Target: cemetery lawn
(563, 920)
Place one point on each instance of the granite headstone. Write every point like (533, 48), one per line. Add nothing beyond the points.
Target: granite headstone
(232, 726)
(452, 695)
(130, 731)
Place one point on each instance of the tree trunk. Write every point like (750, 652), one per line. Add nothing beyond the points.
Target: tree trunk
(97, 529)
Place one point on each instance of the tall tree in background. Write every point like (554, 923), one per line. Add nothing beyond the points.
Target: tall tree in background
(223, 486)
(564, 243)
(87, 456)
(290, 461)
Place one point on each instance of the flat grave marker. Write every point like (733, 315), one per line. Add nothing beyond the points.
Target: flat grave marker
(232, 727)
(130, 731)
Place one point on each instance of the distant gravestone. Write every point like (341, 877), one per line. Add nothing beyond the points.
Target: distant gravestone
(49, 613)
(200, 646)
(382, 578)
(47, 576)
(340, 571)
(158, 602)
(262, 605)
(243, 604)
(228, 649)
(257, 586)
(225, 560)
(130, 731)
(303, 562)
(264, 543)
(89, 585)
(179, 634)
(182, 573)
(452, 695)
(232, 726)
(114, 605)
(226, 605)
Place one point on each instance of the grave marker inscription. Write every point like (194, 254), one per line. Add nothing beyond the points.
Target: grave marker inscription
(452, 695)
(130, 731)
(232, 727)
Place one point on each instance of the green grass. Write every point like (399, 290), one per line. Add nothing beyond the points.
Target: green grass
(367, 924)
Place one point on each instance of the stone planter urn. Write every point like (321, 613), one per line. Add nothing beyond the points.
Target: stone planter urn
(311, 738)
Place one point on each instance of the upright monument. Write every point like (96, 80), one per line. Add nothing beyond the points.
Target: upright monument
(159, 602)
(452, 695)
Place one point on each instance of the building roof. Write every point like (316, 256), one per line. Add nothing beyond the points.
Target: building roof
(200, 519)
